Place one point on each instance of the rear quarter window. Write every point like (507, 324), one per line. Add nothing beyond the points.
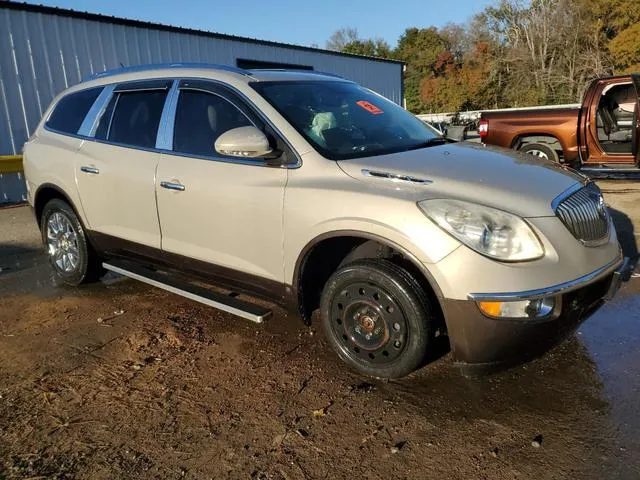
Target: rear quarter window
(69, 113)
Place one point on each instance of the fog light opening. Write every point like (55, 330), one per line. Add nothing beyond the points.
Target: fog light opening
(538, 308)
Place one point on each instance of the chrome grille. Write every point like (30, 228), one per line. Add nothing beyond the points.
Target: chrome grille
(585, 215)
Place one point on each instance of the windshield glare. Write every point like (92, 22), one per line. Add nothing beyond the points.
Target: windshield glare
(343, 120)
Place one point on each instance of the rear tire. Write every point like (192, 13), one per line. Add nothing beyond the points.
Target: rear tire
(377, 318)
(72, 258)
(541, 150)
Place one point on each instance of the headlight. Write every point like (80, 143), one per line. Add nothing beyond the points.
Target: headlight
(486, 230)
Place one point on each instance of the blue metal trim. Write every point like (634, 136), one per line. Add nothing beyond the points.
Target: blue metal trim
(161, 66)
(164, 139)
(90, 123)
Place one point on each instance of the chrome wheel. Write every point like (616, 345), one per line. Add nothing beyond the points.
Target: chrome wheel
(538, 153)
(62, 243)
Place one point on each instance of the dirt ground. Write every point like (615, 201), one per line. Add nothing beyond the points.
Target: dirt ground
(120, 380)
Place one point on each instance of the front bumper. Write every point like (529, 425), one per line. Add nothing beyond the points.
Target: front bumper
(484, 342)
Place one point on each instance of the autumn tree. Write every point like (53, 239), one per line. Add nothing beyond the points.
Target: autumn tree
(625, 50)
(421, 50)
(514, 53)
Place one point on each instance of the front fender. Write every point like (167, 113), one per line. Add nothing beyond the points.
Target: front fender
(421, 241)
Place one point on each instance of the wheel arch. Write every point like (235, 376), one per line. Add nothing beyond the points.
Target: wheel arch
(47, 192)
(548, 138)
(313, 269)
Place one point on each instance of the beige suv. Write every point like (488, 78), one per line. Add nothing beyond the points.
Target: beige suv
(312, 192)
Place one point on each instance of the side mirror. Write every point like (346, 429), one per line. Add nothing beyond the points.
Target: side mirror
(243, 142)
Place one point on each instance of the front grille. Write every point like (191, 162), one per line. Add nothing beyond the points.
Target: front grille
(585, 215)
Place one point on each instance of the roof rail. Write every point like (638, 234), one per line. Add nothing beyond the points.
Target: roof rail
(301, 70)
(161, 66)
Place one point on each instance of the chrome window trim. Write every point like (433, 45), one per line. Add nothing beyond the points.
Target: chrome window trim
(221, 84)
(111, 117)
(553, 290)
(90, 118)
(103, 108)
(164, 138)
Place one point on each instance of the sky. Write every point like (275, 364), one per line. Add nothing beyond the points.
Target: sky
(302, 22)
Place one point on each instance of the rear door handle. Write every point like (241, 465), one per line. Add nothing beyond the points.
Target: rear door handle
(92, 170)
(172, 186)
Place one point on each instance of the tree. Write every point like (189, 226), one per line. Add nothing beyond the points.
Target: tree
(611, 17)
(376, 47)
(514, 53)
(340, 38)
(625, 49)
(550, 49)
(420, 49)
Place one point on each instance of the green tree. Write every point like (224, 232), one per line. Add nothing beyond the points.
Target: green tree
(420, 49)
(611, 17)
(376, 47)
(625, 49)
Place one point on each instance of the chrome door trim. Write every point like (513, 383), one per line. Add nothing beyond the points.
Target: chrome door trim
(90, 122)
(164, 138)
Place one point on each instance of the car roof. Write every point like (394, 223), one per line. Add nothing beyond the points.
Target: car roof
(206, 70)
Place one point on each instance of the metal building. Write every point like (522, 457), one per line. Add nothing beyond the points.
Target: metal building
(44, 50)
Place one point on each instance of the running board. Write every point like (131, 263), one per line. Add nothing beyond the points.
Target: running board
(226, 303)
(629, 173)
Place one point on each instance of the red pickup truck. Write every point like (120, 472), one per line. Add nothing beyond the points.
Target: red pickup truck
(600, 135)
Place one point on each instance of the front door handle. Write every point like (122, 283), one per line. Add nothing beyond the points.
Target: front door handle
(172, 186)
(92, 170)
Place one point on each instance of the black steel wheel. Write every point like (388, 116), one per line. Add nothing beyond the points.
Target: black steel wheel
(377, 318)
(71, 256)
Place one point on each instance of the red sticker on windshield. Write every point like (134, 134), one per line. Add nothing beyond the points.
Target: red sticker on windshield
(369, 107)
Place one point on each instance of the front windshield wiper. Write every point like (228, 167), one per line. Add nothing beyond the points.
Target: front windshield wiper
(429, 143)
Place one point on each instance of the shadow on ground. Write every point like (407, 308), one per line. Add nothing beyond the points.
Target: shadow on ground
(15, 257)
(626, 235)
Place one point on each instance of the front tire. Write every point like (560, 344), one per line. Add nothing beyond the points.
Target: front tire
(377, 318)
(70, 255)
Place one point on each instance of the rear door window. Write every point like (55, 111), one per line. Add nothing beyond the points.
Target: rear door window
(132, 118)
(201, 117)
(69, 113)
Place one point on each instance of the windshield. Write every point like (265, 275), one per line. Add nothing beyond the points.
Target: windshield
(343, 120)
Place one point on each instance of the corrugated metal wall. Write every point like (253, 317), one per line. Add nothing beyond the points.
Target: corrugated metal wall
(41, 54)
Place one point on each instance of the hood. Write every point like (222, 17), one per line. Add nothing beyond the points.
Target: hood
(514, 182)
